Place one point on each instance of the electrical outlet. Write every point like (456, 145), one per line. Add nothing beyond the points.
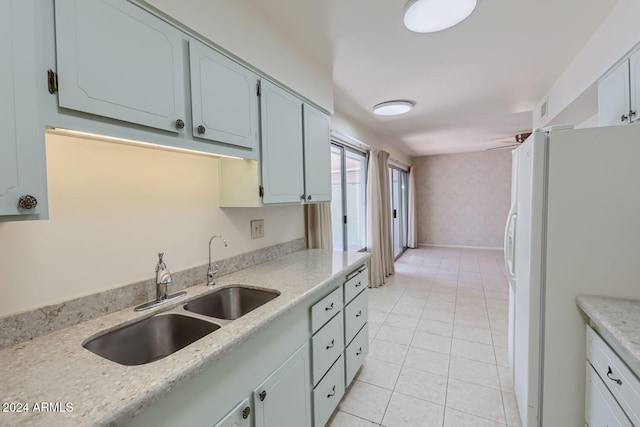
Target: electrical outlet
(257, 228)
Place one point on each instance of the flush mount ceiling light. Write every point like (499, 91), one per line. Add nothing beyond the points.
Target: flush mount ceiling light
(429, 16)
(392, 108)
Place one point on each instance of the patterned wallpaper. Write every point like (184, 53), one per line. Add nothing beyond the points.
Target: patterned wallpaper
(463, 199)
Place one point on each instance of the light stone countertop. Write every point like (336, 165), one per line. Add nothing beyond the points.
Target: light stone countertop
(56, 368)
(619, 321)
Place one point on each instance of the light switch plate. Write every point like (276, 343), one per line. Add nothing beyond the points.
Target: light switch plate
(257, 228)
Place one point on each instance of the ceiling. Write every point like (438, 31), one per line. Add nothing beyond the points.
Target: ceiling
(474, 84)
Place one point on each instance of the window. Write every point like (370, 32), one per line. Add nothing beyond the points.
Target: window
(348, 202)
(399, 199)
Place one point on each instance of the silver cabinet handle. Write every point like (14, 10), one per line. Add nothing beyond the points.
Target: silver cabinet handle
(201, 130)
(179, 124)
(623, 118)
(359, 284)
(333, 392)
(329, 308)
(262, 395)
(615, 380)
(359, 352)
(359, 313)
(333, 342)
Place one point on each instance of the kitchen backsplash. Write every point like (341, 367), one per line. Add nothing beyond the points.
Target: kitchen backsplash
(24, 326)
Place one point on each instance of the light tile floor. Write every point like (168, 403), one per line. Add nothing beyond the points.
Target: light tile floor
(438, 356)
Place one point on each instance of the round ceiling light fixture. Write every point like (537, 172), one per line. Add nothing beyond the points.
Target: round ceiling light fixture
(393, 108)
(429, 16)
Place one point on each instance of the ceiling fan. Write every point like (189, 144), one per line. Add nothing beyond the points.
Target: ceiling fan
(518, 139)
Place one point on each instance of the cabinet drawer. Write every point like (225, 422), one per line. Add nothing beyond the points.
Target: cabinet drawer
(355, 315)
(617, 377)
(601, 409)
(328, 393)
(355, 353)
(327, 345)
(325, 309)
(356, 284)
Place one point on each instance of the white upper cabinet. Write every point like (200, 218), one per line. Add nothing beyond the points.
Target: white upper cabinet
(619, 93)
(23, 189)
(317, 155)
(281, 162)
(117, 60)
(224, 98)
(613, 97)
(634, 76)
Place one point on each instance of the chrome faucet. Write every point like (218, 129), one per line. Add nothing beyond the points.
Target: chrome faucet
(213, 269)
(163, 278)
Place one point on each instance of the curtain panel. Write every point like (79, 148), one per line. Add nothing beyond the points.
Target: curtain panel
(412, 238)
(317, 219)
(379, 219)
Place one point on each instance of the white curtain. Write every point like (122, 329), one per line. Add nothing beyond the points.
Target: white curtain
(379, 219)
(412, 238)
(317, 218)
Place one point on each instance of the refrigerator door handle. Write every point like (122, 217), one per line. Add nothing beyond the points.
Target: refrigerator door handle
(509, 246)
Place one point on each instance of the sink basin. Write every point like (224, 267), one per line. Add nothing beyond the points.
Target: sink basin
(230, 303)
(150, 339)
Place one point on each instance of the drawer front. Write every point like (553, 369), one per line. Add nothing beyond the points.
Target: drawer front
(355, 353)
(356, 315)
(325, 309)
(615, 374)
(328, 393)
(601, 409)
(328, 345)
(356, 284)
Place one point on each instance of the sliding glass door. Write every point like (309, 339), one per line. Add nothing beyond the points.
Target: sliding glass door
(398, 189)
(348, 202)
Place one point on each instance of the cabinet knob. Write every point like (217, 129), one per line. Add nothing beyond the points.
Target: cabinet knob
(245, 413)
(179, 124)
(308, 197)
(262, 395)
(623, 118)
(631, 113)
(27, 202)
(302, 197)
(201, 130)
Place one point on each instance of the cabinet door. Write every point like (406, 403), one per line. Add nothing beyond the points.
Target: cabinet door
(634, 75)
(224, 98)
(22, 154)
(613, 97)
(283, 400)
(281, 119)
(117, 60)
(317, 155)
(240, 416)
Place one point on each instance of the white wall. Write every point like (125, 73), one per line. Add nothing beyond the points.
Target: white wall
(346, 125)
(239, 28)
(463, 199)
(618, 34)
(112, 208)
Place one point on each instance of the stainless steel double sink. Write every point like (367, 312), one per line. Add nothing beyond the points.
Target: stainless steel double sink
(162, 334)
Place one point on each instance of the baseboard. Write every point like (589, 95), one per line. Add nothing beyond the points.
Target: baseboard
(460, 247)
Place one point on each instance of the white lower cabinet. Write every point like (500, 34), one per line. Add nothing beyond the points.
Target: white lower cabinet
(240, 416)
(612, 395)
(328, 392)
(283, 399)
(355, 353)
(601, 408)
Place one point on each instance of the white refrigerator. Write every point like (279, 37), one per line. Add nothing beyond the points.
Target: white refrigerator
(574, 229)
